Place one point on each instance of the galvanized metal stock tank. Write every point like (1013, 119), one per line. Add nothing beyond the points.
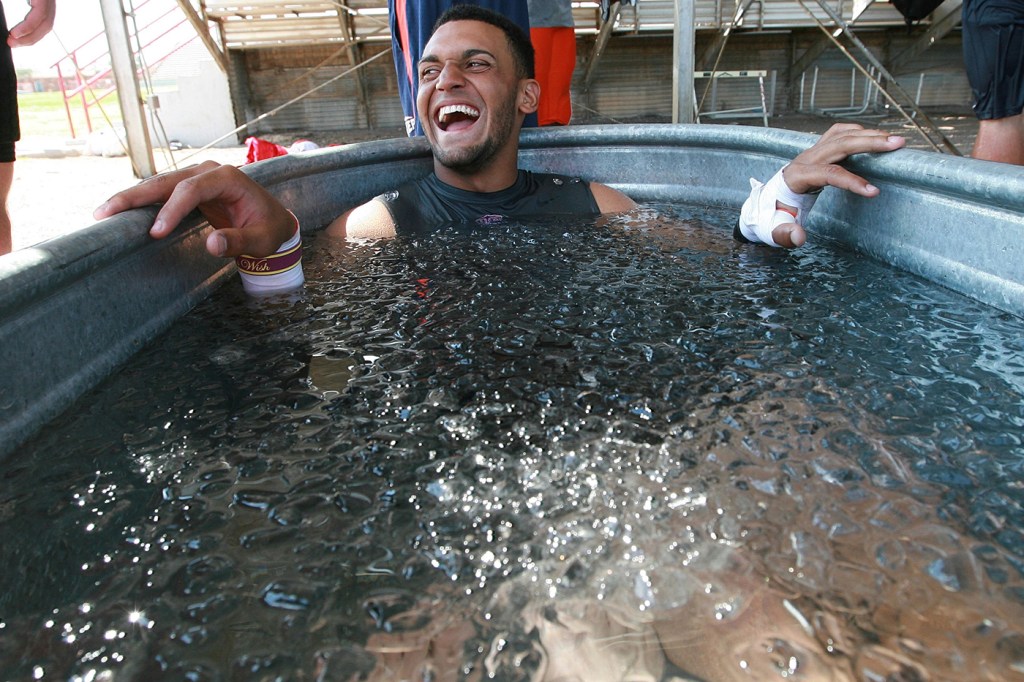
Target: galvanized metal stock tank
(74, 308)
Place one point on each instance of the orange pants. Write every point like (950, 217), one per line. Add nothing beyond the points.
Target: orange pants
(555, 54)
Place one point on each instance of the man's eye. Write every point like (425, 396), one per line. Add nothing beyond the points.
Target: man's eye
(476, 64)
(427, 74)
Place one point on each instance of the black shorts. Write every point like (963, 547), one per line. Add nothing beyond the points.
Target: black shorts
(9, 130)
(993, 35)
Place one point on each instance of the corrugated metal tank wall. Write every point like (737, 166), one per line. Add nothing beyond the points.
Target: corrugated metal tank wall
(633, 81)
(265, 79)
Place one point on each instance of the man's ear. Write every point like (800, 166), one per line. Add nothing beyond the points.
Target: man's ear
(529, 95)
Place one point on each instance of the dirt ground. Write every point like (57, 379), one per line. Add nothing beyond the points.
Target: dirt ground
(57, 186)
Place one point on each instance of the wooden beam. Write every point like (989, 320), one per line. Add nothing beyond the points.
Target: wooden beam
(883, 76)
(807, 59)
(203, 31)
(708, 60)
(600, 44)
(936, 31)
(819, 48)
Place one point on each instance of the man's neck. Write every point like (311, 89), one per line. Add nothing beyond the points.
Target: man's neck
(501, 173)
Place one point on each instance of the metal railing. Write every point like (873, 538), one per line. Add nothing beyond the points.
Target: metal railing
(159, 28)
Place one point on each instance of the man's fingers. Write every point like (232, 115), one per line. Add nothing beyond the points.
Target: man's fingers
(247, 220)
(231, 242)
(154, 190)
(840, 129)
(125, 200)
(251, 241)
(845, 143)
(803, 178)
(837, 176)
(818, 166)
(217, 243)
(180, 192)
(863, 142)
(212, 188)
(789, 235)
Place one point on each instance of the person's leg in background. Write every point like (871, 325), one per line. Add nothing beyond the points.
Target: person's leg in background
(1000, 139)
(6, 178)
(36, 24)
(993, 44)
(402, 16)
(555, 50)
(553, 36)
(10, 132)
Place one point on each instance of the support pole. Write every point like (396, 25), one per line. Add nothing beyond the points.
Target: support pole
(122, 60)
(683, 43)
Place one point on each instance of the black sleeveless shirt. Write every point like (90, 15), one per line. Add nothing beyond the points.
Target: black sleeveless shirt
(428, 204)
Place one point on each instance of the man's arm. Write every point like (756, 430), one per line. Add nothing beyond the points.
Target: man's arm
(774, 211)
(247, 219)
(611, 200)
(371, 220)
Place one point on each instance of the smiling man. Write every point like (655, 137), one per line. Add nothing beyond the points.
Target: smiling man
(476, 87)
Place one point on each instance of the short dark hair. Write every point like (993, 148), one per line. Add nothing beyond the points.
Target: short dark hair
(518, 41)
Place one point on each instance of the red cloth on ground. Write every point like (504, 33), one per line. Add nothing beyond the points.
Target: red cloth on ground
(258, 150)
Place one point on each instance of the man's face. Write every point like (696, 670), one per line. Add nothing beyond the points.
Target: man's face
(468, 94)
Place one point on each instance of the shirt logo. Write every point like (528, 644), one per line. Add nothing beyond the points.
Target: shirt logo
(489, 219)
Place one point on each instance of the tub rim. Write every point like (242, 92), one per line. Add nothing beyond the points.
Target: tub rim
(155, 282)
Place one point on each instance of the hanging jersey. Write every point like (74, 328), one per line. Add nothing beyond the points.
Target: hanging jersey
(428, 204)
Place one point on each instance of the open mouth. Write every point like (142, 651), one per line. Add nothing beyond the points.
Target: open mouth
(456, 117)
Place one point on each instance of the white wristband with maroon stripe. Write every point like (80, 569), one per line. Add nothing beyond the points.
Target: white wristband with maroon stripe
(274, 274)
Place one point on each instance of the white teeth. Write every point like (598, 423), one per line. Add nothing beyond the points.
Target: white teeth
(447, 111)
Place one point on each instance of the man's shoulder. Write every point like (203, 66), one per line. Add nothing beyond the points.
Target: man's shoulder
(580, 196)
(556, 193)
(556, 182)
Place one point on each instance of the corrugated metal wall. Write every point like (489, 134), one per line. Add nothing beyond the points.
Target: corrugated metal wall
(633, 81)
(265, 79)
(944, 83)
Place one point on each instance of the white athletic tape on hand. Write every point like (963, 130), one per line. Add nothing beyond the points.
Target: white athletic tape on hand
(759, 215)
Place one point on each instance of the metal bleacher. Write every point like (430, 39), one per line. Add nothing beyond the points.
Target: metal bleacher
(254, 24)
(265, 24)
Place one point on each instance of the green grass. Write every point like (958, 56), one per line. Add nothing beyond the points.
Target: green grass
(42, 114)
